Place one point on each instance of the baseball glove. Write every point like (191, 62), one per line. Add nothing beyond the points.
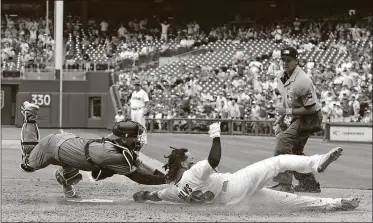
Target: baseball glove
(140, 196)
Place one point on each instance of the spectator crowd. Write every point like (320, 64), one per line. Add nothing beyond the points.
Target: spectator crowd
(26, 43)
(245, 87)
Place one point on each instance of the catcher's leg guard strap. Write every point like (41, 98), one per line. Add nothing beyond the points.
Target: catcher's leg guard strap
(68, 177)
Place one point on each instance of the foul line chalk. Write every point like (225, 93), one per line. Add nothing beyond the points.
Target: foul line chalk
(91, 201)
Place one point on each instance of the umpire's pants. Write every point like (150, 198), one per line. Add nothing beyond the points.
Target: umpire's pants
(292, 141)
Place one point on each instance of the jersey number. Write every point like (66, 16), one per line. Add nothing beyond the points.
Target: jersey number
(41, 99)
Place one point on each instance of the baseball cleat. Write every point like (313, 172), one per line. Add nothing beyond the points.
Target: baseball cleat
(349, 204)
(68, 190)
(32, 108)
(328, 158)
(29, 111)
(26, 168)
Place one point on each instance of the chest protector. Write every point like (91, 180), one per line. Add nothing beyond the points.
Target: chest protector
(132, 138)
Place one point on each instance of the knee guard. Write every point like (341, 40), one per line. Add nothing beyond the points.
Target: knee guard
(68, 177)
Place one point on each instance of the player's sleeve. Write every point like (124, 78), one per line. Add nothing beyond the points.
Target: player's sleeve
(146, 98)
(169, 194)
(307, 93)
(202, 169)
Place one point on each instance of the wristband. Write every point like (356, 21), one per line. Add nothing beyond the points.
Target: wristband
(289, 111)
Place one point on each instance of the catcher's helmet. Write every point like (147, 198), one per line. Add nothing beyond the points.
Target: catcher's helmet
(132, 134)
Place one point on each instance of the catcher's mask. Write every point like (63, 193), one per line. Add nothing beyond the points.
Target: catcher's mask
(132, 135)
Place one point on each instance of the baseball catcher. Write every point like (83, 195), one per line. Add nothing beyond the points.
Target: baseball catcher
(201, 183)
(115, 154)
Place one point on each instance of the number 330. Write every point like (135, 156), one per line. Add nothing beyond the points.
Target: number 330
(41, 99)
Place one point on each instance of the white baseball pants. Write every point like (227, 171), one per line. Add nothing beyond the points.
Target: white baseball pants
(250, 181)
(138, 116)
(164, 36)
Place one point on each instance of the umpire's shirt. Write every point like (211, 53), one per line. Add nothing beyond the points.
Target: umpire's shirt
(298, 91)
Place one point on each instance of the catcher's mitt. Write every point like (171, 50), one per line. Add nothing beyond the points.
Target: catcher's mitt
(140, 196)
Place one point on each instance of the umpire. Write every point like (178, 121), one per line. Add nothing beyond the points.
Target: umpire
(301, 103)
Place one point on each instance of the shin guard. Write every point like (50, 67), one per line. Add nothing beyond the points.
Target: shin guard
(30, 137)
(68, 176)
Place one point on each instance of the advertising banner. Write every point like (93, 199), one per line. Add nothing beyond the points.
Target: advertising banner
(351, 133)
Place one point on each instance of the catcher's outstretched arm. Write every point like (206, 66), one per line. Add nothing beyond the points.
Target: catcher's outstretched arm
(147, 168)
(145, 178)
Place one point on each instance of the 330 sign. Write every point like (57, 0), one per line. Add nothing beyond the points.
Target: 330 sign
(41, 99)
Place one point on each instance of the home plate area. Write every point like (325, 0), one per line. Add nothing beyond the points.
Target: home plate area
(38, 196)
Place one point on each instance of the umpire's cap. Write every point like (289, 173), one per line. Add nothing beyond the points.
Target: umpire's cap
(290, 52)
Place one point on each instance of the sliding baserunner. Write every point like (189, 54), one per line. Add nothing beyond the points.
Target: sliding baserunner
(201, 183)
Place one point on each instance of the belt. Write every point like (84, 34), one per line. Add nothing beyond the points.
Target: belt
(136, 108)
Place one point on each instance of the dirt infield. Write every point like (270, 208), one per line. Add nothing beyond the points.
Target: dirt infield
(38, 197)
(42, 202)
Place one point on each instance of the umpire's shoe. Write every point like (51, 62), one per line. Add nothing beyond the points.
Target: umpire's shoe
(283, 188)
(303, 188)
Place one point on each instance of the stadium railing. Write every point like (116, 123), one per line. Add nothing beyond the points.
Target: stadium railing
(176, 51)
(180, 57)
(143, 59)
(10, 73)
(229, 126)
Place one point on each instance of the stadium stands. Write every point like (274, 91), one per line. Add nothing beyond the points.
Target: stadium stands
(237, 63)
